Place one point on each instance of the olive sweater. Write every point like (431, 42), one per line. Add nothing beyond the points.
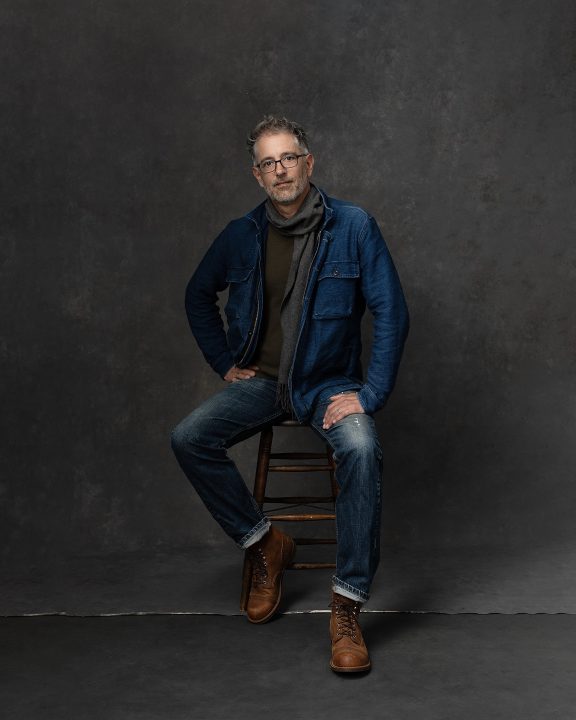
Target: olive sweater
(279, 250)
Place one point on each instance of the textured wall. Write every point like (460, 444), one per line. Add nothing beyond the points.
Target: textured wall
(122, 133)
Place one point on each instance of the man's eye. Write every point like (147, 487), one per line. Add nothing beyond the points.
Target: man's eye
(289, 157)
(265, 164)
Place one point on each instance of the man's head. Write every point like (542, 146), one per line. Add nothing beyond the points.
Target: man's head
(282, 163)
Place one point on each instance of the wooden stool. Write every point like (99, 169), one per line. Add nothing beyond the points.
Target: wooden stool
(263, 467)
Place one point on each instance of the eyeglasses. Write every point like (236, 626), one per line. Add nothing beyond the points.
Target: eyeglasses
(287, 161)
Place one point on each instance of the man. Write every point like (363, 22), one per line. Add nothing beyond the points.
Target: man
(300, 270)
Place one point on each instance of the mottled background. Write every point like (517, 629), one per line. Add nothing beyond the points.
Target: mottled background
(122, 129)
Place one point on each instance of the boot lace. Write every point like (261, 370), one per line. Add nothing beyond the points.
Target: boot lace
(259, 566)
(346, 619)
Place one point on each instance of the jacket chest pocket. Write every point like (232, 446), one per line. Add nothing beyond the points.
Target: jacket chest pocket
(336, 289)
(239, 282)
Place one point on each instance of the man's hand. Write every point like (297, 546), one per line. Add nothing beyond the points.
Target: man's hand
(341, 405)
(235, 374)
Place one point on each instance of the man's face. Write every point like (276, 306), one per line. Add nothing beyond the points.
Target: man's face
(282, 185)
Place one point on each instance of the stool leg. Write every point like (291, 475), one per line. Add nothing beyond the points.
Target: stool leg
(260, 479)
(262, 465)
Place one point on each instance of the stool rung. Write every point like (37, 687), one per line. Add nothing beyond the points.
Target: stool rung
(303, 518)
(304, 500)
(298, 456)
(299, 468)
(293, 508)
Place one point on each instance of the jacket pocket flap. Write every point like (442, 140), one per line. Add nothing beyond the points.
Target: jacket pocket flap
(340, 269)
(239, 274)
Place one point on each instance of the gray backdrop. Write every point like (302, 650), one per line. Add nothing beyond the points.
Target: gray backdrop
(123, 128)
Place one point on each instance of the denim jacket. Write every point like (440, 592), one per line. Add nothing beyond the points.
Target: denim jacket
(351, 269)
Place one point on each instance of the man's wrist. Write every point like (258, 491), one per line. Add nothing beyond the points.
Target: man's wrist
(369, 400)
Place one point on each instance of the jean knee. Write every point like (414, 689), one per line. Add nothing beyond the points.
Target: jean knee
(366, 450)
(360, 444)
(195, 433)
(178, 439)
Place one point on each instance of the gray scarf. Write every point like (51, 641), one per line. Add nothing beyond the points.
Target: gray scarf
(303, 228)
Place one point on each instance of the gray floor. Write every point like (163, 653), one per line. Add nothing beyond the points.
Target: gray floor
(207, 580)
(464, 635)
(425, 666)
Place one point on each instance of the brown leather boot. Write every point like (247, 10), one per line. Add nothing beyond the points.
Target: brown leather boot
(349, 653)
(269, 558)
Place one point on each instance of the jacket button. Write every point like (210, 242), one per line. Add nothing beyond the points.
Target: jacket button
(336, 272)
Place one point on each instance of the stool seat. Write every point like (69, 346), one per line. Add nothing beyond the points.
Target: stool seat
(264, 467)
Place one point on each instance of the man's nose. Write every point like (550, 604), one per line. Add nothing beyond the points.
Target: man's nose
(280, 169)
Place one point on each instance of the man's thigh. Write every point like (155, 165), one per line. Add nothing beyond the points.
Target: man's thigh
(353, 433)
(236, 412)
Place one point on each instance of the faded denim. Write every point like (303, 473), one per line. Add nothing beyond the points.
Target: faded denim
(240, 410)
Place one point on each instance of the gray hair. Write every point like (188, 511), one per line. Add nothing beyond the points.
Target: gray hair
(271, 125)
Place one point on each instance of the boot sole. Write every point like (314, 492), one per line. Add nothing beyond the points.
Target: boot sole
(271, 613)
(362, 668)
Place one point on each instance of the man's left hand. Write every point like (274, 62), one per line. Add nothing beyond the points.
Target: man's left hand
(341, 405)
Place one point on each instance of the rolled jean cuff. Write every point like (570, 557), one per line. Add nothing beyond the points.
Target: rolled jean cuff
(257, 533)
(348, 591)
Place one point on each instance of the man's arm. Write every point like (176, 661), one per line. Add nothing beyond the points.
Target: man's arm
(202, 307)
(385, 300)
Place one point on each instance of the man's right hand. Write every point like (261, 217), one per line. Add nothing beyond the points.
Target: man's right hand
(235, 373)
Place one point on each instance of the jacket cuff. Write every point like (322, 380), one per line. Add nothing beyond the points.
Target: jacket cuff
(223, 364)
(369, 400)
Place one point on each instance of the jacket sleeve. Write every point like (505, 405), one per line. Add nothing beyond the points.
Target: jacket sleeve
(385, 300)
(202, 307)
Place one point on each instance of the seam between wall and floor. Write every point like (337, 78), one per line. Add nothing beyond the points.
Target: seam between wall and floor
(289, 612)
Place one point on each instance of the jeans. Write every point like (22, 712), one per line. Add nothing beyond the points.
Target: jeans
(241, 409)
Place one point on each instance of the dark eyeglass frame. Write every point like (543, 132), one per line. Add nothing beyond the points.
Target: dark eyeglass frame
(281, 161)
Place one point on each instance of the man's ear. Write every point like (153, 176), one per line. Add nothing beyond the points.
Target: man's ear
(309, 164)
(256, 173)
